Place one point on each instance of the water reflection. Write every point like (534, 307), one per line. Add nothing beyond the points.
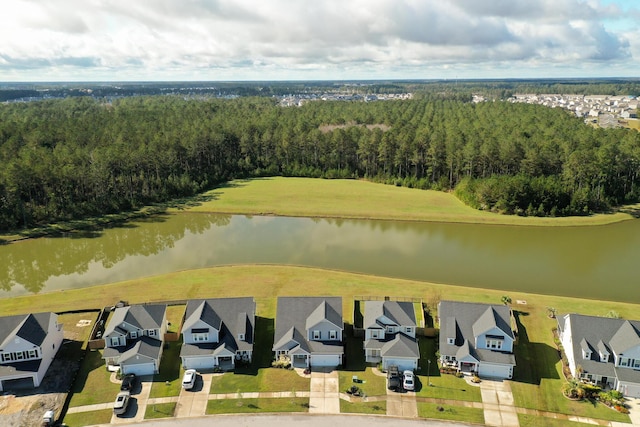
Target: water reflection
(594, 262)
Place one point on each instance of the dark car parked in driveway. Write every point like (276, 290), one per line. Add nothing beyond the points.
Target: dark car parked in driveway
(128, 382)
(394, 381)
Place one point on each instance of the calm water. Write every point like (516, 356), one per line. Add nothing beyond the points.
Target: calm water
(595, 262)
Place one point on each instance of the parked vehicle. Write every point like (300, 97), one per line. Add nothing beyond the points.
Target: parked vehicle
(393, 378)
(189, 379)
(128, 382)
(122, 403)
(48, 419)
(408, 381)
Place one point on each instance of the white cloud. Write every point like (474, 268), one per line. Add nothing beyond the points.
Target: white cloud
(249, 39)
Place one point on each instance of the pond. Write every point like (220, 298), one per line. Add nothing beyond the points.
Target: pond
(600, 262)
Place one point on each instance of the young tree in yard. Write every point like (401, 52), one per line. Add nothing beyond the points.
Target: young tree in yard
(506, 300)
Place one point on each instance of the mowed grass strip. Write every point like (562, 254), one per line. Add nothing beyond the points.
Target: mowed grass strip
(371, 408)
(160, 410)
(343, 198)
(449, 412)
(81, 419)
(285, 404)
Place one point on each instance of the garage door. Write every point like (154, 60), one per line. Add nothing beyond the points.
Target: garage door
(325, 360)
(139, 369)
(198, 363)
(630, 390)
(402, 364)
(18, 384)
(494, 371)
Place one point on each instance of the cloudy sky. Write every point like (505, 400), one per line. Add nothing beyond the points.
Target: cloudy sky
(84, 40)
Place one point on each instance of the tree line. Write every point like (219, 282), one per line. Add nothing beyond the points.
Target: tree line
(77, 157)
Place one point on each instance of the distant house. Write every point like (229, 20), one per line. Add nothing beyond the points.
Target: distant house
(476, 338)
(134, 338)
(603, 351)
(28, 345)
(390, 334)
(218, 332)
(309, 331)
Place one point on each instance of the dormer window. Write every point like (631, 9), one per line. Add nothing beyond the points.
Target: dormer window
(241, 337)
(586, 354)
(604, 357)
(333, 335)
(316, 335)
(451, 341)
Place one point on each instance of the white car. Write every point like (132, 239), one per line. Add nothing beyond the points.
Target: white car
(408, 381)
(189, 379)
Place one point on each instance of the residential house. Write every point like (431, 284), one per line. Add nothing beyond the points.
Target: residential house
(603, 351)
(28, 345)
(309, 331)
(476, 338)
(134, 338)
(218, 332)
(390, 334)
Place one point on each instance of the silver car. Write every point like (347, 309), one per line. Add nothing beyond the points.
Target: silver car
(408, 381)
(122, 403)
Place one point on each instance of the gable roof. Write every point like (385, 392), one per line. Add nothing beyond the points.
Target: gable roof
(201, 310)
(30, 327)
(401, 346)
(463, 321)
(602, 333)
(140, 316)
(292, 318)
(399, 312)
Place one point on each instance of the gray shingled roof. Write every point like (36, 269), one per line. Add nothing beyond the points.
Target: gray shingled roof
(401, 346)
(292, 316)
(465, 319)
(399, 312)
(140, 316)
(200, 310)
(145, 347)
(615, 334)
(30, 327)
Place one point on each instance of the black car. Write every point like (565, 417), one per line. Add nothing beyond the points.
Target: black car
(128, 382)
(394, 381)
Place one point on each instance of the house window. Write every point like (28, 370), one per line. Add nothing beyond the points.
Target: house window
(375, 334)
(33, 354)
(636, 363)
(375, 352)
(391, 330)
(450, 341)
(115, 341)
(201, 337)
(408, 330)
(316, 335)
(6, 357)
(586, 354)
(333, 335)
(624, 361)
(152, 332)
(494, 344)
(604, 357)
(241, 337)
(19, 355)
(134, 334)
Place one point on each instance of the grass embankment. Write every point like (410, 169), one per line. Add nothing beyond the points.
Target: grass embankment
(339, 198)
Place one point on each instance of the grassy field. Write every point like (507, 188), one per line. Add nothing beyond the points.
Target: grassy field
(308, 197)
(448, 412)
(375, 408)
(89, 418)
(160, 410)
(93, 377)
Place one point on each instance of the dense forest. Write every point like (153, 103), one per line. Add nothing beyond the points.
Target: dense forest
(80, 156)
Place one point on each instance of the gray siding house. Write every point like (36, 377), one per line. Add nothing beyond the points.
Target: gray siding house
(476, 338)
(28, 345)
(218, 332)
(390, 334)
(603, 351)
(309, 331)
(134, 338)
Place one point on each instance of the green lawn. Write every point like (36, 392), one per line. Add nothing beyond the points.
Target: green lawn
(443, 386)
(168, 381)
(230, 406)
(534, 421)
(376, 408)
(265, 379)
(88, 418)
(160, 410)
(372, 385)
(92, 384)
(175, 313)
(340, 198)
(456, 413)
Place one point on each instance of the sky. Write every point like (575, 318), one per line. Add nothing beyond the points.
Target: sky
(201, 40)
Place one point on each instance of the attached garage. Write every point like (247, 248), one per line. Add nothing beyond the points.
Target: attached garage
(198, 363)
(489, 370)
(139, 369)
(629, 389)
(18, 384)
(402, 364)
(326, 360)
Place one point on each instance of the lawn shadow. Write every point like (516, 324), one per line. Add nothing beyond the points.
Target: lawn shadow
(353, 350)
(534, 360)
(631, 210)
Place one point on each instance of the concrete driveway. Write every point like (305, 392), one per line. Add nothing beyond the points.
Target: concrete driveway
(498, 404)
(193, 403)
(137, 403)
(324, 396)
(402, 404)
